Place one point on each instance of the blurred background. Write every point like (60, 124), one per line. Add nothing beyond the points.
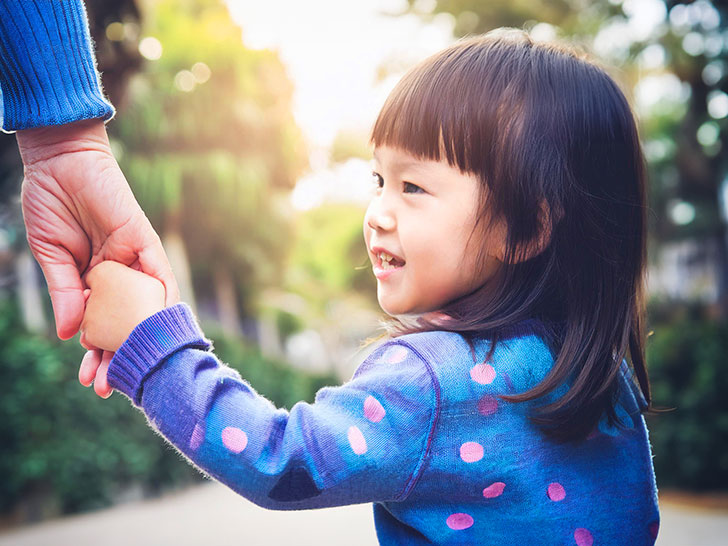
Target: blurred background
(242, 128)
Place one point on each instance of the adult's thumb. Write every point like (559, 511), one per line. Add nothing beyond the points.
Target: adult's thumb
(66, 291)
(154, 262)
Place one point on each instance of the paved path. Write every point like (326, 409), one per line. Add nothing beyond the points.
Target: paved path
(212, 514)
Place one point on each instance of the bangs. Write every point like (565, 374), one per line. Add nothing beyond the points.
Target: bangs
(429, 113)
(447, 106)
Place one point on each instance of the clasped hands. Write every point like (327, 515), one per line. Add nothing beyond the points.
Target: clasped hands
(117, 300)
(80, 213)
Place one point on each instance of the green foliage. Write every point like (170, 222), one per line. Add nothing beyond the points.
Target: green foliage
(686, 360)
(329, 258)
(209, 144)
(576, 18)
(59, 438)
(288, 323)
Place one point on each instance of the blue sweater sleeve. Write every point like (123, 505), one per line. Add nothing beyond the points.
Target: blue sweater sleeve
(47, 66)
(364, 441)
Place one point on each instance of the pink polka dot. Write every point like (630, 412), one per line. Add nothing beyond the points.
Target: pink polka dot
(234, 439)
(556, 491)
(373, 410)
(395, 355)
(471, 452)
(357, 441)
(198, 434)
(494, 490)
(488, 405)
(654, 527)
(482, 373)
(583, 537)
(459, 521)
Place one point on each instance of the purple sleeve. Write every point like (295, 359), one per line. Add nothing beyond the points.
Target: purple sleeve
(364, 441)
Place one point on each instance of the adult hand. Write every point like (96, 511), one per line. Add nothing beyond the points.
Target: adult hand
(79, 211)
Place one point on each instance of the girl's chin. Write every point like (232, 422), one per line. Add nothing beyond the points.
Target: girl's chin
(394, 309)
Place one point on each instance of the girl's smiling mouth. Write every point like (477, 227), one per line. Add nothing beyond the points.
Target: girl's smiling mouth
(385, 263)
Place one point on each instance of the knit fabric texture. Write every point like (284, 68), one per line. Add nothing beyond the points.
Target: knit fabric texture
(418, 431)
(47, 67)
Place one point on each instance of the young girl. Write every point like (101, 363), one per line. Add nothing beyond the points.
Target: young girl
(507, 235)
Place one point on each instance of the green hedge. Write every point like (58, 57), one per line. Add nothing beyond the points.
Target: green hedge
(686, 358)
(60, 441)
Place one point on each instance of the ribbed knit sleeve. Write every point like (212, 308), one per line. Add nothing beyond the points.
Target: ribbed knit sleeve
(159, 337)
(47, 67)
(364, 441)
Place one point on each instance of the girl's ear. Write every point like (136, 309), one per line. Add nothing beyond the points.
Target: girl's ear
(546, 222)
(498, 242)
(541, 241)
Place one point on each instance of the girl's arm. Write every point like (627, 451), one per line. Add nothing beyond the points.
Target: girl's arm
(364, 441)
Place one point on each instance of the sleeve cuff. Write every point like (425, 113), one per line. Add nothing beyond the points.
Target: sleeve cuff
(150, 343)
(47, 65)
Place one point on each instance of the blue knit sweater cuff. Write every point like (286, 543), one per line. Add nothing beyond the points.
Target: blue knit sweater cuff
(150, 343)
(47, 66)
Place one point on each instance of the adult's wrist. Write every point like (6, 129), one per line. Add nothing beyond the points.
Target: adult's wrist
(44, 143)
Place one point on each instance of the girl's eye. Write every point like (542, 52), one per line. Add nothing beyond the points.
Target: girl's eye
(416, 189)
(409, 187)
(378, 180)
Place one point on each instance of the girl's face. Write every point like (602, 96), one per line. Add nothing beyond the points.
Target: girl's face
(422, 213)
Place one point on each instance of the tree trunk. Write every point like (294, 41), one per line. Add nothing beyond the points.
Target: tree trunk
(269, 337)
(174, 246)
(722, 271)
(29, 293)
(227, 307)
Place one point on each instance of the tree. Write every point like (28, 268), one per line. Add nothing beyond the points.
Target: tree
(695, 49)
(210, 147)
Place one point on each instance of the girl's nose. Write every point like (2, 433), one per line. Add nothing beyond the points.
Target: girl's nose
(379, 220)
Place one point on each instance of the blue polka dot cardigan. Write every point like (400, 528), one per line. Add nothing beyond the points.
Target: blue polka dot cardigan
(418, 431)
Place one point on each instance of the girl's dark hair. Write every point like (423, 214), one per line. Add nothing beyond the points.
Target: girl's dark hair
(554, 144)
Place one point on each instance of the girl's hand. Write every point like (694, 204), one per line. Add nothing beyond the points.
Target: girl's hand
(93, 369)
(120, 298)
